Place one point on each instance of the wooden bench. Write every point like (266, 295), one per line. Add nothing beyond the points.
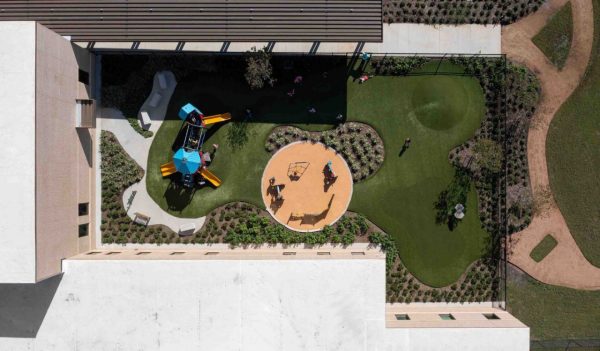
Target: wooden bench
(141, 219)
(145, 120)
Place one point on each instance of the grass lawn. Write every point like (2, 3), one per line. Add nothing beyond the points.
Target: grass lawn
(555, 38)
(573, 146)
(542, 249)
(553, 312)
(436, 112)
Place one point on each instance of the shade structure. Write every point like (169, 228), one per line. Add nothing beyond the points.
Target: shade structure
(187, 162)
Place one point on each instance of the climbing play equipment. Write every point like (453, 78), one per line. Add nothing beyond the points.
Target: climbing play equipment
(189, 160)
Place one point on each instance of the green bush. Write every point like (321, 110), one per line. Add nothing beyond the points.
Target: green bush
(397, 66)
(259, 70)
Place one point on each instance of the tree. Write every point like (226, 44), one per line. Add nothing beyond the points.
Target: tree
(488, 155)
(259, 70)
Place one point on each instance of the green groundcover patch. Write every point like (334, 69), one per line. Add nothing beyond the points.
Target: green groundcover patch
(541, 250)
(555, 38)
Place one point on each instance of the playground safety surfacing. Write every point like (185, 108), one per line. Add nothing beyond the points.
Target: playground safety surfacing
(298, 190)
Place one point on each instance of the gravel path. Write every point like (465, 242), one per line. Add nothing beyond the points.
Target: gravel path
(565, 265)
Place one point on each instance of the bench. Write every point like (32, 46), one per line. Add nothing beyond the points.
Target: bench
(187, 229)
(145, 120)
(155, 100)
(162, 81)
(141, 219)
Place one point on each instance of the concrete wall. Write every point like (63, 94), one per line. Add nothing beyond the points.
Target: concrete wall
(63, 153)
(17, 159)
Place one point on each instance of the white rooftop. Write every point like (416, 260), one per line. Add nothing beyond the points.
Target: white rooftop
(17, 159)
(259, 304)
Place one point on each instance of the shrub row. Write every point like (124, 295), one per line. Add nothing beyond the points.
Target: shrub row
(395, 65)
(458, 11)
(359, 144)
(512, 93)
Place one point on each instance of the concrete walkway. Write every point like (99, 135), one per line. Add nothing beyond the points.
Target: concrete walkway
(410, 38)
(565, 265)
(138, 148)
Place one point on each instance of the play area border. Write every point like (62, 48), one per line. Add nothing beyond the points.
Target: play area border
(263, 189)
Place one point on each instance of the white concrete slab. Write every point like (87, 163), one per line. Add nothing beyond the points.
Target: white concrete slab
(457, 339)
(430, 39)
(17, 159)
(397, 38)
(320, 305)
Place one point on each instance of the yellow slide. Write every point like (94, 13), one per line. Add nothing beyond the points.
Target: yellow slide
(208, 120)
(167, 169)
(210, 176)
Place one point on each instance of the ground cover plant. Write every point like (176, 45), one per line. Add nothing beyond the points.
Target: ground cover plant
(541, 250)
(552, 312)
(512, 93)
(119, 171)
(555, 38)
(572, 150)
(135, 124)
(358, 143)
(458, 11)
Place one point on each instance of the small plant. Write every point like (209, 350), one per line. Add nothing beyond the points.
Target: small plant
(259, 70)
(489, 155)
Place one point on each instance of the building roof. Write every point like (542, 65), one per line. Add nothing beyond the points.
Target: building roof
(17, 159)
(204, 20)
(211, 303)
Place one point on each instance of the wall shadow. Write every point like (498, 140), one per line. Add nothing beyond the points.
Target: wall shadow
(24, 306)
(85, 139)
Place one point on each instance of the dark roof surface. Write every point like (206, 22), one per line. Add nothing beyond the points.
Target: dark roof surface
(204, 20)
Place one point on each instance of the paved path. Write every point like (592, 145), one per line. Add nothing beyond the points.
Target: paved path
(565, 265)
(138, 147)
(397, 38)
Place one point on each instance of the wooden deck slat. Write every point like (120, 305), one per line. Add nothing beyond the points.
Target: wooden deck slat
(203, 20)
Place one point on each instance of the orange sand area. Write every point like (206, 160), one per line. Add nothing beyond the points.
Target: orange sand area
(308, 203)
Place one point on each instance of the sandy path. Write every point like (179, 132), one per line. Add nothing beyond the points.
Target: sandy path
(307, 195)
(565, 265)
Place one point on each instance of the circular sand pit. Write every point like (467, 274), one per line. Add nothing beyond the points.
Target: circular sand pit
(303, 195)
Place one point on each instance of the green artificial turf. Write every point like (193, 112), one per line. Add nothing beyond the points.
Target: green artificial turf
(555, 38)
(573, 151)
(436, 112)
(553, 312)
(542, 249)
(240, 168)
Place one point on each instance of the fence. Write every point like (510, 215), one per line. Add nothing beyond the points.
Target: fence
(566, 344)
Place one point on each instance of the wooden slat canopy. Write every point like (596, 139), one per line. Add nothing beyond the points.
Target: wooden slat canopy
(204, 20)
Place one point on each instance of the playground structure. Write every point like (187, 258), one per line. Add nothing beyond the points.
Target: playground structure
(294, 193)
(297, 169)
(190, 160)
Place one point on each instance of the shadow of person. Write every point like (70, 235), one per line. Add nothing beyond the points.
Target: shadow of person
(403, 150)
(328, 182)
(275, 204)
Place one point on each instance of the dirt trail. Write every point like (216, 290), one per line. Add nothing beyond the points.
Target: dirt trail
(565, 265)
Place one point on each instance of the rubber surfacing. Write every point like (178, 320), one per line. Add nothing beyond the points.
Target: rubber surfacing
(297, 191)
